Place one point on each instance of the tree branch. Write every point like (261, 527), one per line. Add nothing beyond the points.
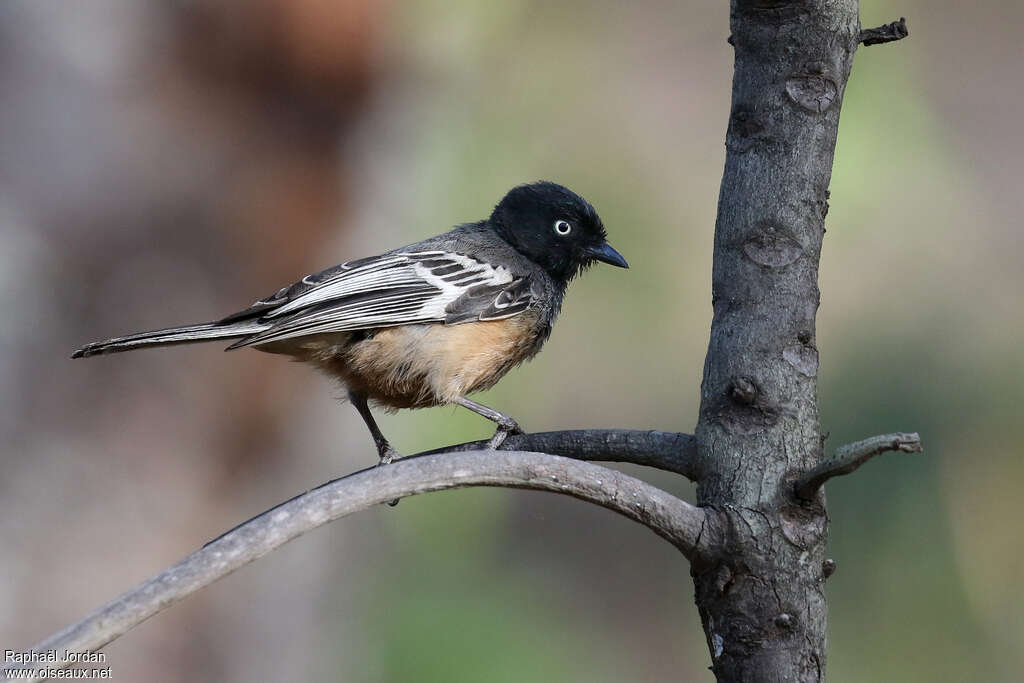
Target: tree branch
(669, 451)
(851, 456)
(685, 526)
(888, 33)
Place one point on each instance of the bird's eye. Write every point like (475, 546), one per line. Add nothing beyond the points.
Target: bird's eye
(563, 228)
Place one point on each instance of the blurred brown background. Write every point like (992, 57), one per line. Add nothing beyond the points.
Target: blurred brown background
(164, 163)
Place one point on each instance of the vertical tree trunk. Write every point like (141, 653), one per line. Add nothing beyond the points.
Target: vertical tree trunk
(761, 599)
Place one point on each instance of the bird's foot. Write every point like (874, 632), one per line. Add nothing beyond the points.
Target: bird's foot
(388, 455)
(506, 426)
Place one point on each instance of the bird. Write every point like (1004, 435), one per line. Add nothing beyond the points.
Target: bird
(429, 323)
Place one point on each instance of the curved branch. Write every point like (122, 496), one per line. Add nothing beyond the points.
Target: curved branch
(851, 456)
(669, 451)
(674, 520)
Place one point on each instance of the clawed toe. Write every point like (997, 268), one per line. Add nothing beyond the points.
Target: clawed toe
(388, 455)
(502, 432)
(509, 426)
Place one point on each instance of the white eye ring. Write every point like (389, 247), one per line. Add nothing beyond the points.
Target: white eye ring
(563, 228)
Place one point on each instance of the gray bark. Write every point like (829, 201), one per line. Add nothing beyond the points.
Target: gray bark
(851, 456)
(669, 451)
(761, 595)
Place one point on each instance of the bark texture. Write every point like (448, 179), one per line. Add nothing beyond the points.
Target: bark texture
(761, 595)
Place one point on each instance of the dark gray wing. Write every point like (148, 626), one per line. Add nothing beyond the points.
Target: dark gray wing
(398, 288)
(487, 302)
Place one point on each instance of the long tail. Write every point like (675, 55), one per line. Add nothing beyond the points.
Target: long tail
(172, 335)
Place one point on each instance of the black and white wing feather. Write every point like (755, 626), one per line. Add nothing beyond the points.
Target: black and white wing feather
(398, 288)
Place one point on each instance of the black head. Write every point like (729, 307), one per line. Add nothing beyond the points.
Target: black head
(555, 228)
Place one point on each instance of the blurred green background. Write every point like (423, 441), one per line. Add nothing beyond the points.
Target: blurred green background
(163, 163)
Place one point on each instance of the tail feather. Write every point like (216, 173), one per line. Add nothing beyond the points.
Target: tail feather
(172, 335)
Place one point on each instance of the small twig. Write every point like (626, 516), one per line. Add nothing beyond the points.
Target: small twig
(888, 33)
(851, 456)
(669, 451)
(680, 523)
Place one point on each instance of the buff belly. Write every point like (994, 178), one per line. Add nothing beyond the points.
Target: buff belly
(416, 366)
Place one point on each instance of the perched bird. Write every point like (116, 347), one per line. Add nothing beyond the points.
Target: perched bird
(429, 323)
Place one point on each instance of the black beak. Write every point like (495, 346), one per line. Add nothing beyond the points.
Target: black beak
(607, 254)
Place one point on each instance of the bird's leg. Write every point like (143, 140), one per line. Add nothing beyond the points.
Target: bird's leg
(506, 425)
(385, 450)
